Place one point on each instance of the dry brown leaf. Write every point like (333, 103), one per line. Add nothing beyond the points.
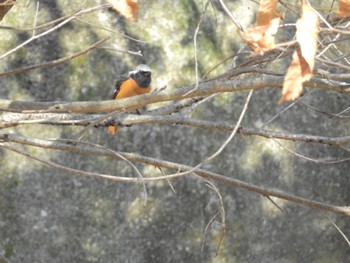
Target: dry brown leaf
(344, 8)
(261, 37)
(293, 81)
(303, 61)
(5, 6)
(267, 12)
(127, 8)
(307, 32)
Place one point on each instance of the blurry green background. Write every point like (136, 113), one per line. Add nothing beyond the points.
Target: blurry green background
(47, 215)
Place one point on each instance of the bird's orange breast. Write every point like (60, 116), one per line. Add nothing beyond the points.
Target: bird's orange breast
(131, 88)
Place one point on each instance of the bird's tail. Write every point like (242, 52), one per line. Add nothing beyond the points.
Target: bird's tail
(112, 129)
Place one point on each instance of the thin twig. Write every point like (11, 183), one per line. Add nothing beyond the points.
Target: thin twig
(134, 53)
(76, 13)
(291, 105)
(111, 31)
(34, 37)
(274, 203)
(229, 139)
(54, 62)
(207, 227)
(36, 17)
(222, 212)
(331, 63)
(338, 229)
(338, 115)
(308, 158)
(64, 168)
(118, 155)
(168, 181)
(228, 12)
(334, 31)
(195, 42)
(65, 21)
(234, 131)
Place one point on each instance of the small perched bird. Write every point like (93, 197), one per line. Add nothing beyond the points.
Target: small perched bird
(136, 82)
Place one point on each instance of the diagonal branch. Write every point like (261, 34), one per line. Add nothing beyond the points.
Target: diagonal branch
(88, 149)
(65, 21)
(54, 62)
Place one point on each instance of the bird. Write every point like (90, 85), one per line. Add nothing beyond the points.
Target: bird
(134, 83)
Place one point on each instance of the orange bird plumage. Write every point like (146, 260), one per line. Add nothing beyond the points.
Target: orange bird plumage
(135, 83)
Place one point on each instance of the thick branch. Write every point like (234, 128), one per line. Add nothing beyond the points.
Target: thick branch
(13, 119)
(204, 89)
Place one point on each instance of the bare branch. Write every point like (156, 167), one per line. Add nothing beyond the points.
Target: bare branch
(205, 88)
(195, 42)
(335, 115)
(234, 131)
(207, 227)
(221, 211)
(229, 13)
(65, 21)
(82, 148)
(111, 31)
(76, 13)
(54, 62)
(334, 31)
(36, 17)
(308, 158)
(134, 53)
(14, 119)
(339, 230)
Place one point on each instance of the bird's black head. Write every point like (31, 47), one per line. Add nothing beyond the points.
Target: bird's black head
(142, 75)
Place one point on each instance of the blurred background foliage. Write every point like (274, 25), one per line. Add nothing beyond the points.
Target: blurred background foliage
(47, 215)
